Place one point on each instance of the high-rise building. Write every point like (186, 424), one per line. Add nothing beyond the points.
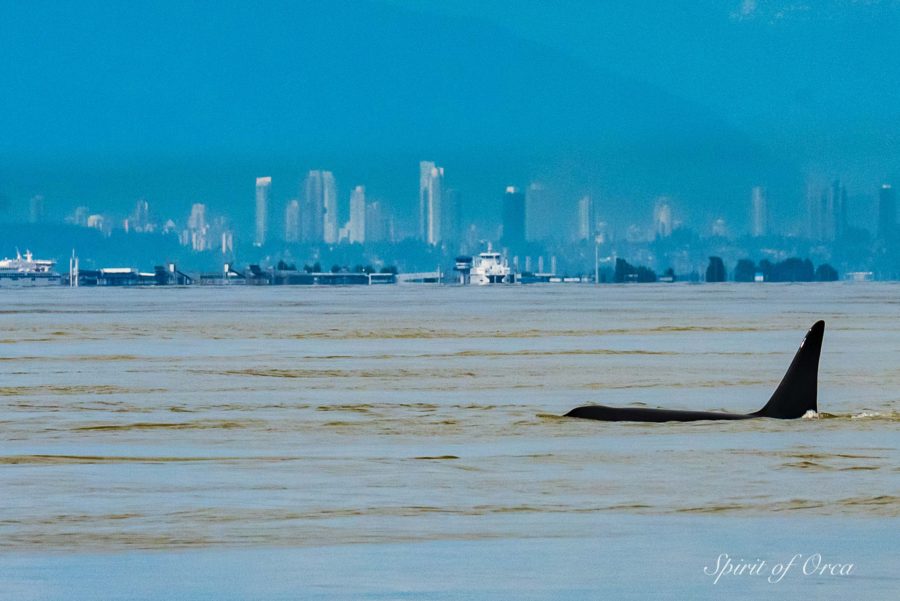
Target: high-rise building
(227, 243)
(586, 221)
(319, 219)
(662, 217)
(719, 228)
(538, 213)
(263, 192)
(513, 213)
(379, 225)
(311, 209)
(197, 228)
(292, 221)
(358, 215)
(814, 211)
(197, 220)
(80, 216)
(139, 221)
(431, 178)
(887, 212)
(838, 210)
(835, 211)
(451, 215)
(330, 216)
(98, 221)
(827, 212)
(36, 209)
(759, 212)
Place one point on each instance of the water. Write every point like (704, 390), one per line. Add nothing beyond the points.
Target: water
(403, 442)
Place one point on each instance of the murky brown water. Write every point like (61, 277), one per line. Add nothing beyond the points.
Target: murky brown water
(155, 419)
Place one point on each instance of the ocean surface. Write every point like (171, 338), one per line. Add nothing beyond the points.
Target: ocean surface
(403, 442)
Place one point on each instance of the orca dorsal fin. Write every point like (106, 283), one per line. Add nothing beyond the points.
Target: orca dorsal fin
(797, 392)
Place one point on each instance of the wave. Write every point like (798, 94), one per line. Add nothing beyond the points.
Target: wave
(193, 425)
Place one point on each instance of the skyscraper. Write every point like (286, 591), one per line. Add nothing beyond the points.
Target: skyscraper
(140, 217)
(36, 209)
(538, 213)
(330, 217)
(887, 212)
(451, 217)
(662, 217)
(319, 215)
(513, 212)
(431, 178)
(292, 221)
(838, 210)
(585, 218)
(828, 213)
(263, 191)
(311, 209)
(759, 212)
(358, 215)
(379, 223)
(198, 229)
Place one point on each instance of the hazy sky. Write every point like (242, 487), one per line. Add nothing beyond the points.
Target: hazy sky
(180, 102)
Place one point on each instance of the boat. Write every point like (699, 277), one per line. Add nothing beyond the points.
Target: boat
(486, 268)
(27, 272)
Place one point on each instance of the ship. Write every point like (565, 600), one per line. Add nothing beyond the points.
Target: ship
(26, 271)
(485, 268)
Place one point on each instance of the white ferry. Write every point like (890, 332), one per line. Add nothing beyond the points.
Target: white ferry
(27, 271)
(485, 268)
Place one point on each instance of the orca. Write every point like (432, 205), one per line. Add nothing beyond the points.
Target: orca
(794, 397)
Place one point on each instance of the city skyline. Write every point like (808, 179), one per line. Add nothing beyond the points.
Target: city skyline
(318, 218)
(663, 240)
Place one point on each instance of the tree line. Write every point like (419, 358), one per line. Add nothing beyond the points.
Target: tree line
(793, 269)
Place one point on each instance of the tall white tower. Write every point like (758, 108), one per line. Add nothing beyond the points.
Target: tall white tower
(585, 218)
(431, 180)
(292, 221)
(330, 218)
(358, 215)
(263, 190)
(663, 217)
(759, 212)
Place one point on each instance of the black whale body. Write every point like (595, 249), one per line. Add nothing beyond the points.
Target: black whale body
(794, 397)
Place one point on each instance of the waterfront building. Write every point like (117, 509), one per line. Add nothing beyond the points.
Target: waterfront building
(759, 212)
(263, 192)
(431, 179)
(887, 212)
(357, 230)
